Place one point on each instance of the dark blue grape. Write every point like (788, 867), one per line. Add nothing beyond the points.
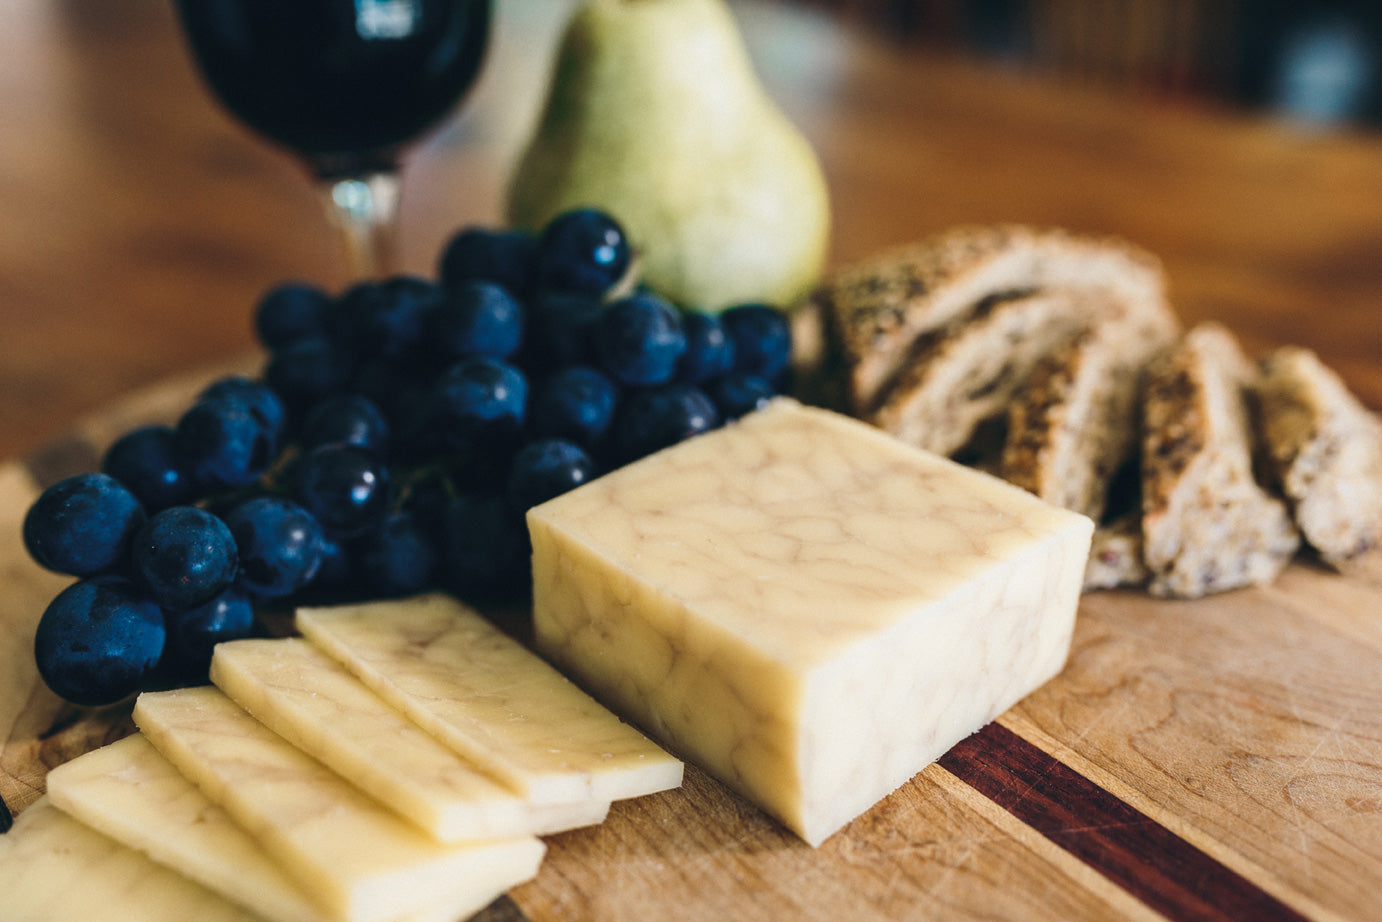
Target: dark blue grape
(547, 468)
(307, 371)
(338, 567)
(709, 350)
(414, 434)
(477, 254)
(183, 557)
(762, 338)
(263, 402)
(342, 320)
(82, 525)
(223, 442)
(348, 418)
(638, 340)
(402, 391)
(484, 545)
(279, 544)
(397, 558)
(289, 312)
(559, 330)
(736, 394)
(390, 319)
(193, 634)
(145, 461)
(345, 487)
(583, 250)
(576, 403)
(652, 419)
(98, 640)
(381, 380)
(426, 498)
(486, 470)
(478, 318)
(480, 400)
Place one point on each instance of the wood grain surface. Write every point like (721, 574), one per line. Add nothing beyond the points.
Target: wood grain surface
(1211, 760)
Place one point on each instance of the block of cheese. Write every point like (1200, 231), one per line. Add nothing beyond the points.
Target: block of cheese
(490, 698)
(810, 609)
(311, 700)
(131, 793)
(55, 869)
(353, 857)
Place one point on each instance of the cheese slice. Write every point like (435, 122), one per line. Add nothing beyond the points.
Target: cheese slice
(804, 605)
(354, 857)
(491, 699)
(131, 793)
(312, 701)
(55, 869)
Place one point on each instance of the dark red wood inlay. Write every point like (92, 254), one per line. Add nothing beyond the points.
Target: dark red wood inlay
(1143, 857)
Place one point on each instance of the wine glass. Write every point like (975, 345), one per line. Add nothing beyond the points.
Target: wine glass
(345, 85)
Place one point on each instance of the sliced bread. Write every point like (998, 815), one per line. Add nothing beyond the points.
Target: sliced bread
(1076, 421)
(961, 375)
(877, 309)
(1207, 526)
(1323, 448)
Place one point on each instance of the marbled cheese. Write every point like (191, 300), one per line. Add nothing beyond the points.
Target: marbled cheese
(807, 607)
(490, 698)
(131, 793)
(352, 856)
(316, 704)
(55, 869)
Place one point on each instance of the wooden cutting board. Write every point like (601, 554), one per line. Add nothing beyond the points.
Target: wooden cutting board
(1217, 759)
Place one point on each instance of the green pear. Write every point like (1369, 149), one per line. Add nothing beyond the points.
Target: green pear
(656, 116)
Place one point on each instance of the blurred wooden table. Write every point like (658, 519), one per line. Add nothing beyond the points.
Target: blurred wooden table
(138, 223)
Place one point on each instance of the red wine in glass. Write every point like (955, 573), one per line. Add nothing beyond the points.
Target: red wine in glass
(346, 85)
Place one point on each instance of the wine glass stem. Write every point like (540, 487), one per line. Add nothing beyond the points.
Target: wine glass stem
(365, 208)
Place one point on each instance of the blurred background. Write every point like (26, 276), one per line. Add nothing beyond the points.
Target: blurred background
(1238, 139)
(1315, 62)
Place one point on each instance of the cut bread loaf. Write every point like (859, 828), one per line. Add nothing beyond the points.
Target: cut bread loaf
(1324, 450)
(968, 371)
(1076, 420)
(877, 310)
(1207, 526)
(1055, 361)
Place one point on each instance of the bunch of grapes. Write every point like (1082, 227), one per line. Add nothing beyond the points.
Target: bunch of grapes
(398, 435)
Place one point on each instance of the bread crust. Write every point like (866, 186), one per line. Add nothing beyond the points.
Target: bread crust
(878, 308)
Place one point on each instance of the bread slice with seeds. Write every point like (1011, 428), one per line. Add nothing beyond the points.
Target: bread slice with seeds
(1077, 421)
(1206, 524)
(961, 375)
(876, 310)
(1324, 449)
